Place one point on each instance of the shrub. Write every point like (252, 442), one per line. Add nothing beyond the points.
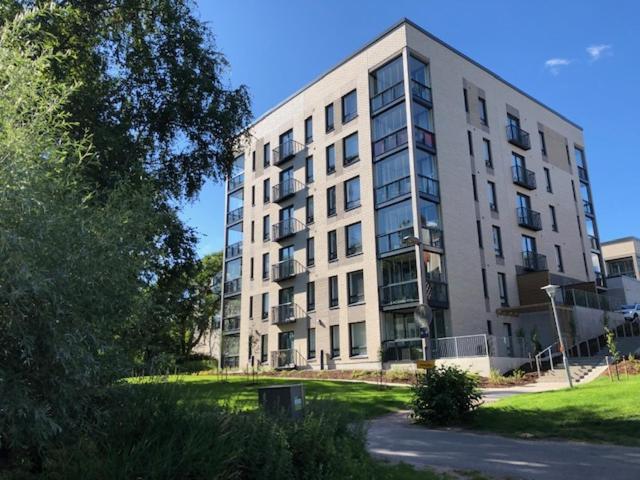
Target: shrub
(444, 395)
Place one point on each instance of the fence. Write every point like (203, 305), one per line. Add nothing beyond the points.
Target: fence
(582, 298)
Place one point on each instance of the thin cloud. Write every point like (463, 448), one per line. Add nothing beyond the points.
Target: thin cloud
(596, 52)
(554, 64)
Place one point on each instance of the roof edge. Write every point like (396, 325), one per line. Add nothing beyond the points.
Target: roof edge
(630, 238)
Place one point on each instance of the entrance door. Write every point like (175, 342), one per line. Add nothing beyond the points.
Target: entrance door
(285, 340)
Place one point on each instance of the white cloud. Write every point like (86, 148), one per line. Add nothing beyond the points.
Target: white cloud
(554, 64)
(596, 52)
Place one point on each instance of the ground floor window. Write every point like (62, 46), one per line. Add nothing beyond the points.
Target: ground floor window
(335, 341)
(264, 348)
(311, 343)
(357, 339)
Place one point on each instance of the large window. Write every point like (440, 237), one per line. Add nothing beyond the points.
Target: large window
(554, 221)
(266, 191)
(350, 149)
(266, 227)
(333, 291)
(502, 288)
(482, 108)
(335, 340)
(386, 76)
(311, 296)
(328, 117)
(353, 234)
(390, 121)
(349, 106)
(233, 269)
(422, 117)
(486, 153)
(352, 193)
(308, 169)
(418, 71)
(308, 130)
(491, 193)
(393, 223)
(497, 241)
(309, 210)
(331, 201)
(332, 245)
(311, 255)
(266, 153)
(311, 343)
(265, 265)
(392, 177)
(357, 339)
(621, 266)
(265, 305)
(559, 263)
(264, 348)
(355, 286)
(579, 157)
(399, 269)
(331, 159)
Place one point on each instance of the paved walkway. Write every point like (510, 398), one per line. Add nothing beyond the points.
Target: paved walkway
(490, 395)
(394, 438)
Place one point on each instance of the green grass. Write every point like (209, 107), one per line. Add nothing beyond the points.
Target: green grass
(240, 393)
(600, 411)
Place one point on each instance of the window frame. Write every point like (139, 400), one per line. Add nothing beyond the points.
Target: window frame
(311, 249)
(332, 245)
(502, 289)
(329, 118)
(352, 298)
(347, 228)
(354, 203)
(330, 166)
(311, 353)
(482, 108)
(497, 241)
(332, 207)
(309, 176)
(311, 296)
(352, 351)
(308, 130)
(310, 210)
(334, 341)
(264, 306)
(346, 161)
(354, 114)
(334, 296)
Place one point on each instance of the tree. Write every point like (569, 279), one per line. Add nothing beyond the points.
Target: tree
(71, 268)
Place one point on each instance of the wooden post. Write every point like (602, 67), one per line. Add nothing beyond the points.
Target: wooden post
(608, 367)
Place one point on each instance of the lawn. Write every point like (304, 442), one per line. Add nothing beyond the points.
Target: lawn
(362, 399)
(600, 411)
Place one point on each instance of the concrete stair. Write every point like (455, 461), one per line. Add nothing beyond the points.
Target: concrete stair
(580, 369)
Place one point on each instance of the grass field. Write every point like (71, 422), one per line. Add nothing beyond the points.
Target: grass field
(600, 411)
(362, 399)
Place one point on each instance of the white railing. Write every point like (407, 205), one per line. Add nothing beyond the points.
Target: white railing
(479, 346)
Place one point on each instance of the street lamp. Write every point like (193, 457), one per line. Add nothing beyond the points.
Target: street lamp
(422, 313)
(551, 291)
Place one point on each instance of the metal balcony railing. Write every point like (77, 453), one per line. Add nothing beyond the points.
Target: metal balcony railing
(287, 188)
(528, 218)
(534, 261)
(235, 216)
(233, 250)
(233, 287)
(588, 207)
(523, 177)
(288, 358)
(390, 142)
(582, 174)
(286, 151)
(286, 313)
(421, 91)
(425, 138)
(398, 293)
(393, 190)
(393, 241)
(286, 228)
(387, 96)
(285, 269)
(518, 137)
(429, 187)
(236, 182)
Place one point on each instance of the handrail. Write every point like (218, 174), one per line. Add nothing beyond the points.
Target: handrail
(539, 356)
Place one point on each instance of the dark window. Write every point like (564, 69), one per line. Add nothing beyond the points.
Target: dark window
(475, 187)
(466, 100)
(573, 190)
(253, 195)
(479, 230)
(350, 149)
(331, 201)
(482, 107)
(352, 193)
(353, 235)
(265, 305)
(543, 143)
(266, 193)
(333, 291)
(331, 159)
(554, 222)
(266, 226)
(251, 305)
(311, 343)
(489, 328)
(265, 266)
(328, 117)
(502, 288)
(251, 269)
(310, 209)
(486, 153)
(335, 340)
(547, 176)
(253, 160)
(308, 169)
(559, 263)
(311, 296)
(470, 142)
(311, 252)
(332, 242)
(308, 130)
(264, 348)
(491, 192)
(497, 241)
(355, 287)
(267, 155)
(349, 106)
(357, 339)
(485, 289)
(253, 230)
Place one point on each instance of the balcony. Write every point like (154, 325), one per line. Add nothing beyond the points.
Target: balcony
(420, 91)
(534, 262)
(432, 237)
(582, 174)
(233, 287)
(393, 190)
(588, 208)
(286, 228)
(234, 250)
(235, 216)
(425, 138)
(286, 189)
(594, 242)
(402, 349)
(528, 218)
(236, 182)
(287, 359)
(390, 142)
(387, 97)
(390, 242)
(286, 313)
(518, 137)
(429, 187)
(231, 325)
(439, 296)
(286, 151)
(399, 293)
(523, 177)
(286, 269)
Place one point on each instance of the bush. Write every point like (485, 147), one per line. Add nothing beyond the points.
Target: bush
(444, 395)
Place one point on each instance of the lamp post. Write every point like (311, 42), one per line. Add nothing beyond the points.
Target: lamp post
(423, 313)
(551, 291)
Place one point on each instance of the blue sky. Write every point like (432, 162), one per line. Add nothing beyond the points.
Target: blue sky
(579, 57)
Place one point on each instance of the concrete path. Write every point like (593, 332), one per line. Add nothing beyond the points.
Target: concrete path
(394, 438)
(490, 395)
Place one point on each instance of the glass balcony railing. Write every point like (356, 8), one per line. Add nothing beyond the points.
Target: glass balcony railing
(393, 241)
(286, 189)
(534, 261)
(588, 207)
(286, 228)
(233, 250)
(523, 177)
(236, 182)
(518, 137)
(425, 138)
(386, 97)
(429, 187)
(235, 216)
(528, 218)
(286, 151)
(582, 174)
(393, 190)
(423, 92)
(286, 269)
(286, 313)
(231, 325)
(433, 237)
(438, 293)
(399, 293)
(233, 287)
(390, 142)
